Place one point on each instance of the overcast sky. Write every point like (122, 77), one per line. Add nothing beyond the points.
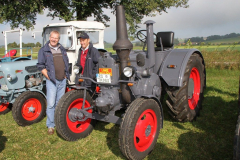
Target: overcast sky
(202, 18)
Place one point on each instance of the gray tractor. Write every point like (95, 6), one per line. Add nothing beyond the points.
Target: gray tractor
(135, 81)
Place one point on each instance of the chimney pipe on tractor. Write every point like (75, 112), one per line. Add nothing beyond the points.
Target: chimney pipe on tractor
(123, 47)
(150, 44)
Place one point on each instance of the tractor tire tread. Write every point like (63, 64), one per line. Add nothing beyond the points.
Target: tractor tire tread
(126, 129)
(177, 100)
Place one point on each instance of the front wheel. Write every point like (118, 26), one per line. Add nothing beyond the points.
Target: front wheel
(140, 128)
(67, 128)
(29, 108)
(5, 108)
(185, 102)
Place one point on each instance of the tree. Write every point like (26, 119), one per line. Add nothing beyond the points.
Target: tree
(38, 44)
(12, 45)
(28, 45)
(20, 12)
(23, 12)
(176, 41)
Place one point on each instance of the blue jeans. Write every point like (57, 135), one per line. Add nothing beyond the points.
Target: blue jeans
(54, 93)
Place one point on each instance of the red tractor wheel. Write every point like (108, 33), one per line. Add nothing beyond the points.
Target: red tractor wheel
(29, 108)
(140, 128)
(5, 108)
(69, 129)
(193, 98)
(185, 102)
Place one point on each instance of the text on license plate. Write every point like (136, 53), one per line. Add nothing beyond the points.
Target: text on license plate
(103, 78)
(105, 71)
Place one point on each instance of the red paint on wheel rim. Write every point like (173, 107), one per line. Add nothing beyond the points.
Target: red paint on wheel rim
(145, 130)
(31, 109)
(78, 127)
(3, 106)
(196, 91)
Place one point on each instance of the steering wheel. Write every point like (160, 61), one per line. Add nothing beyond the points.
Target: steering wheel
(142, 36)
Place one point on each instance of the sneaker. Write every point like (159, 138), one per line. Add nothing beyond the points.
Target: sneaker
(50, 131)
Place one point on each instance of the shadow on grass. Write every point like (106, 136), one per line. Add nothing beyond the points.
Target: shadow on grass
(3, 140)
(217, 124)
(211, 136)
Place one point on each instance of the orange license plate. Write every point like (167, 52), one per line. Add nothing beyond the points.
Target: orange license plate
(105, 71)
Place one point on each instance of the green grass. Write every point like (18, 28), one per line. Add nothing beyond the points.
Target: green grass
(209, 137)
(225, 40)
(231, 47)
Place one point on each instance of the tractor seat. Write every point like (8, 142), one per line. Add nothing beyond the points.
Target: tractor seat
(164, 41)
(10, 53)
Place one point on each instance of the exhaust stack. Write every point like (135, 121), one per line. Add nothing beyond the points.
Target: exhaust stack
(150, 44)
(123, 47)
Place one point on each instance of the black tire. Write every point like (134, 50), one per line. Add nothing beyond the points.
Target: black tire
(71, 131)
(185, 102)
(236, 148)
(29, 108)
(142, 116)
(5, 108)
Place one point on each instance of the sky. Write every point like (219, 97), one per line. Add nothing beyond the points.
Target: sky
(201, 19)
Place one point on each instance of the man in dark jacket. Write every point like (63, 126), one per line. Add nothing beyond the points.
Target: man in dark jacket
(87, 60)
(53, 63)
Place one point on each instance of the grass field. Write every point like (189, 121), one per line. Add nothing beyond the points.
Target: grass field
(209, 137)
(225, 40)
(216, 56)
(213, 47)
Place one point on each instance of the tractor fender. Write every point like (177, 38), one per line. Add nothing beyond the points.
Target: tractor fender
(78, 87)
(179, 58)
(37, 90)
(159, 103)
(21, 59)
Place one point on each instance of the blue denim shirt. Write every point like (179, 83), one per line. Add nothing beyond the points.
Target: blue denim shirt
(45, 60)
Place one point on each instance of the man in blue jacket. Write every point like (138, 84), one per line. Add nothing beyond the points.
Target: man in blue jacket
(53, 63)
(87, 60)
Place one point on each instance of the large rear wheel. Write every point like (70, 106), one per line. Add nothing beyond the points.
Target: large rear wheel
(69, 129)
(140, 128)
(29, 108)
(5, 108)
(185, 102)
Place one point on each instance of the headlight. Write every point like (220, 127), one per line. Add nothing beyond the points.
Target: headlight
(11, 77)
(128, 71)
(76, 71)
